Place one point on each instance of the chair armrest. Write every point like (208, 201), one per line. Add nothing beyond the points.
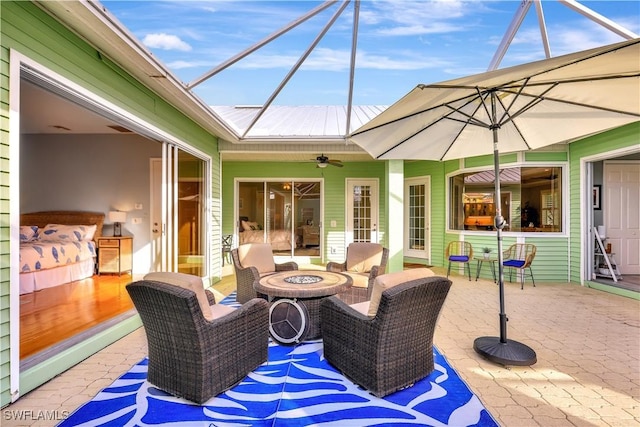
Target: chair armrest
(287, 266)
(336, 267)
(345, 324)
(245, 274)
(210, 296)
(239, 331)
(256, 307)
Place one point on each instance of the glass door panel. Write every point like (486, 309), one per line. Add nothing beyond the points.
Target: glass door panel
(307, 223)
(178, 212)
(362, 211)
(285, 214)
(278, 230)
(251, 213)
(417, 239)
(191, 214)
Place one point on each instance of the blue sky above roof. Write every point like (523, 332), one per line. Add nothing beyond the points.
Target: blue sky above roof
(400, 44)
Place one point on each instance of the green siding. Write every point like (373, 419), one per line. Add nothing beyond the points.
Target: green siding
(487, 160)
(5, 375)
(33, 33)
(546, 156)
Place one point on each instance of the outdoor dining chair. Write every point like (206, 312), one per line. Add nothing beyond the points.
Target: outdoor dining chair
(519, 257)
(386, 344)
(227, 241)
(252, 261)
(461, 252)
(364, 262)
(197, 348)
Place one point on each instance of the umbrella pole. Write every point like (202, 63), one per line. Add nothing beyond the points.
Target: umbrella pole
(500, 349)
(499, 224)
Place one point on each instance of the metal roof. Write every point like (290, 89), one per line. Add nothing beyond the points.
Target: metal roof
(326, 123)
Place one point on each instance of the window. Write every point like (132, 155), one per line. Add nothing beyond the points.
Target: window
(531, 199)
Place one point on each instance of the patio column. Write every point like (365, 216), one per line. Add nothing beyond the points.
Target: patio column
(395, 214)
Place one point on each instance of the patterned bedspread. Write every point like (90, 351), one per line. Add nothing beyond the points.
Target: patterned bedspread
(39, 255)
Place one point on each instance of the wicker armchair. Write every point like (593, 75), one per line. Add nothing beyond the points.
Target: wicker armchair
(520, 256)
(394, 348)
(365, 261)
(458, 251)
(192, 357)
(252, 261)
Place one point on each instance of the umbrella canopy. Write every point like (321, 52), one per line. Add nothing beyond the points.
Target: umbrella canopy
(514, 109)
(537, 104)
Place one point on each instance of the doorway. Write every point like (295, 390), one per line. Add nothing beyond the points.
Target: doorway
(612, 181)
(362, 211)
(417, 217)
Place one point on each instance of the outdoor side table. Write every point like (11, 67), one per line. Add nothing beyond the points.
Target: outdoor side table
(492, 263)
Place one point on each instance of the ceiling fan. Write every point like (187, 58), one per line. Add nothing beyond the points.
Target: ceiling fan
(322, 161)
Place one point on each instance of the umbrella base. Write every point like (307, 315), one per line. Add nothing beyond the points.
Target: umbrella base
(506, 353)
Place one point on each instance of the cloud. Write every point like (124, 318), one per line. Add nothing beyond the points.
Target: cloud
(181, 64)
(165, 42)
(338, 60)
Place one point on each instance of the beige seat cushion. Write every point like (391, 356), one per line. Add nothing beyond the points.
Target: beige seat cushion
(221, 310)
(258, 255)
(361, 257)
(359, 280)
(361, 307)
(386, 281)
(187, 281)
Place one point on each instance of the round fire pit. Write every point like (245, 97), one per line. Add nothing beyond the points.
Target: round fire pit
(307, 279)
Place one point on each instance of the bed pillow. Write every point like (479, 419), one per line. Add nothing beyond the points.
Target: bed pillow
(68, 233)
(28, 233)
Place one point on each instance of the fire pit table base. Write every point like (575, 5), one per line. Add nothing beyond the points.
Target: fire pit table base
(295, 298)
(288, 321)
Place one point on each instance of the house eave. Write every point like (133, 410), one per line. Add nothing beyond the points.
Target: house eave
(93, 23)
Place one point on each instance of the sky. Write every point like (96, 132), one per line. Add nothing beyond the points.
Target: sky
(400, 44)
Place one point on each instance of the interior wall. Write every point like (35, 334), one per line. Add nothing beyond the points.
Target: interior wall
(96, 173)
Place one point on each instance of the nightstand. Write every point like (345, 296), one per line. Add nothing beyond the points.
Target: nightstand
(115, 254)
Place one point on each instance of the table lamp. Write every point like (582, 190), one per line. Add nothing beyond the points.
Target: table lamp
(117, 217)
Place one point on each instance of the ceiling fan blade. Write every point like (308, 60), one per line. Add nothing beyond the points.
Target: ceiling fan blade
(337, 163)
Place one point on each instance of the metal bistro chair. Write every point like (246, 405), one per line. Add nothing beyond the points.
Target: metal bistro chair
(458, 251)
(226, 248)
(520, 256)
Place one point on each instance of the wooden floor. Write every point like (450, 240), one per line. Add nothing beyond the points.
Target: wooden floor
(51, 316)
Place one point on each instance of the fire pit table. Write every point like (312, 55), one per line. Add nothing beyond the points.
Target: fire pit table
(295, 298)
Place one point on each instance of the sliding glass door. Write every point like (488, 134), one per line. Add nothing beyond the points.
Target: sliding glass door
(178, 210)
(286, 214)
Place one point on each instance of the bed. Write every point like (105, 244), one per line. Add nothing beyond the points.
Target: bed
(57, 247)
(252, 232)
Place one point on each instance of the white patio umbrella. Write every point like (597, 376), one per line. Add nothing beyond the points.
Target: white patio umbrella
(513, 109)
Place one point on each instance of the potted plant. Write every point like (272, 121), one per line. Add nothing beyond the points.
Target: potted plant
(486, 251)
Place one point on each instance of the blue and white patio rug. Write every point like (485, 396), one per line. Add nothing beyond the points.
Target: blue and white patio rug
(296, 387)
